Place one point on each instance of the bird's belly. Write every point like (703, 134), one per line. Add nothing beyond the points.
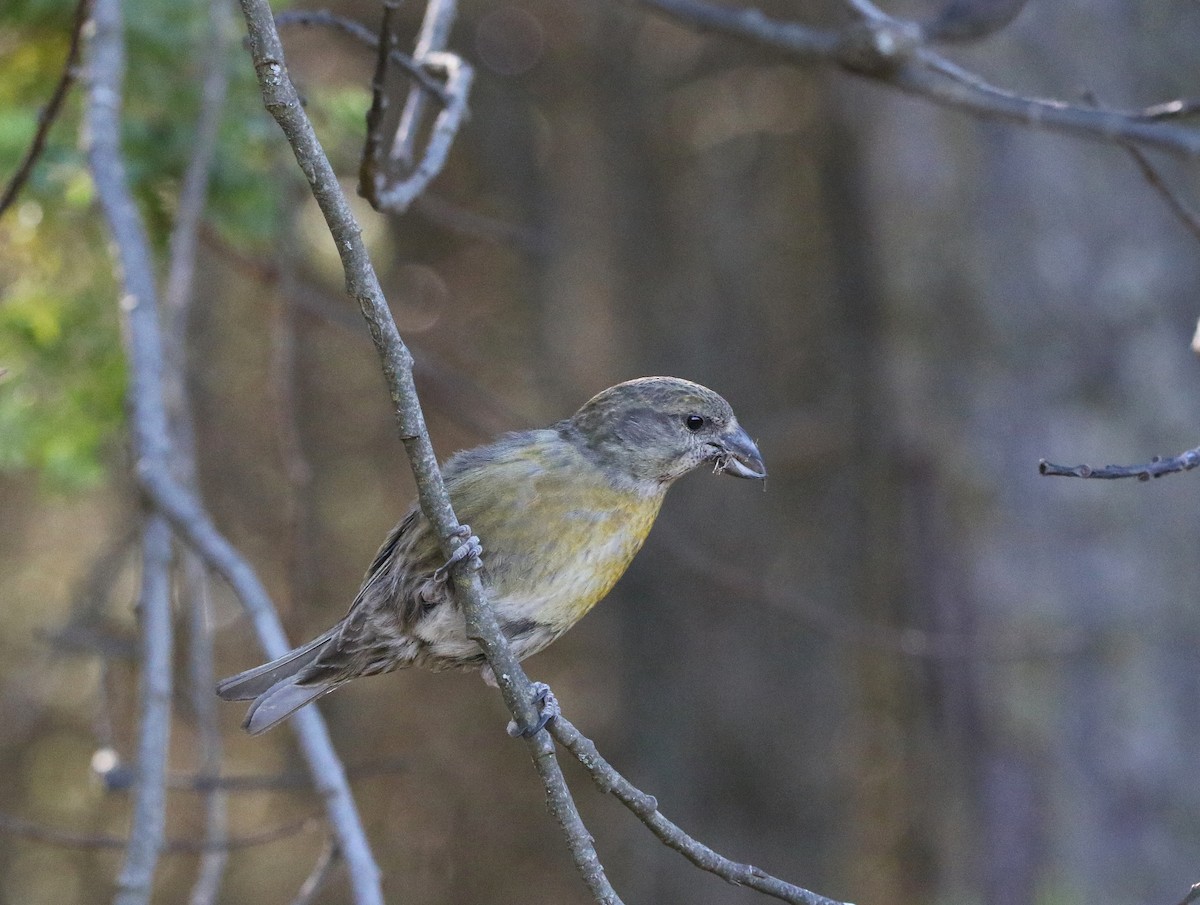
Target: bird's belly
(576, 567)
(549, 584)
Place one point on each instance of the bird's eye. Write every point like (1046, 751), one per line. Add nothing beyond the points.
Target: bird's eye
(693, 422)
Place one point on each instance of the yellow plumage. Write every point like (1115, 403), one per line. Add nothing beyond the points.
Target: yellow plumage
(561, 512)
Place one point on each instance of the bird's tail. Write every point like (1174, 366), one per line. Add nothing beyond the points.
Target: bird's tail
(276, 687)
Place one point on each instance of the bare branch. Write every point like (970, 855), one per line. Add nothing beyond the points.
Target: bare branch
(46, 118)
(178, 304)
(1171, 109)
(201, 680)
(18, 826)
(1155, 468)
(1192, 896)
(645, 808)
(368, 37)
(889, 51)
(192, 523)
(432, 39)
(392, 182)
(148, 824)
(193, 194)
(279, 96)
(106, 59)
(315, 881)
(151, 440)
(395, 197)
(368, 170)
(1188, 217)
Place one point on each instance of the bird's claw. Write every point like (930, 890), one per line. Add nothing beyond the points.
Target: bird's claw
(544, 698)
(469, 549)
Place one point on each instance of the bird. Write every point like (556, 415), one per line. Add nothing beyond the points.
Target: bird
(561, 513)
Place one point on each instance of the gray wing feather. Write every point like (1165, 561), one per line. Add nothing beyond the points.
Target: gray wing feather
(261, 679)
(280, 702)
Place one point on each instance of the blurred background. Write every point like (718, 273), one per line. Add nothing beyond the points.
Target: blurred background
(911, 671)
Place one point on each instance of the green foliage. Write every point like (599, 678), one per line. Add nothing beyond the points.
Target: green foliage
(61, 392)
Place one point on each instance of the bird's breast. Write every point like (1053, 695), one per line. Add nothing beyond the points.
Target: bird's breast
(573, 543)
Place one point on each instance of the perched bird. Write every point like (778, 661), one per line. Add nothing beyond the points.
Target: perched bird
(561, 513)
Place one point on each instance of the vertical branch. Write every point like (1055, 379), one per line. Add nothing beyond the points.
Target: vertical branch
(201, 680)
(434, 34)
(369, 168)
(147, 832)
(329, 776)
(149, 428)
(398, 196)
(177, 311)
(148, 423)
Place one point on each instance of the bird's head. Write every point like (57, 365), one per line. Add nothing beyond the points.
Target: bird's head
(657, 429)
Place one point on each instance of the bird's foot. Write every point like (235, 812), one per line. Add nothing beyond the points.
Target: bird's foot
(543, 698)
(469, 549)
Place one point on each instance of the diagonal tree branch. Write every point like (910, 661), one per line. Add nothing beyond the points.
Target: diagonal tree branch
(645, 808)
(46, 118)
(892, 52)
(366, 36)
(192, 523)
(362, 283)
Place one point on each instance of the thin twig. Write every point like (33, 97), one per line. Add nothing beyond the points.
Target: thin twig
(1155, 468)
(645, 808)
(178, 299)
(47, 116)
(391, 184)
(280, 98)
(432, 39)
(184, 239)
(1192, 896)
(371, 163)
(1171, 109)
(395, 197)
(1151, 174)
(315, 881)
(148, 825)
(201, 680)
(193, 524)
(1188, 217)
(882, 49)
(28, 829)
(361, 33)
